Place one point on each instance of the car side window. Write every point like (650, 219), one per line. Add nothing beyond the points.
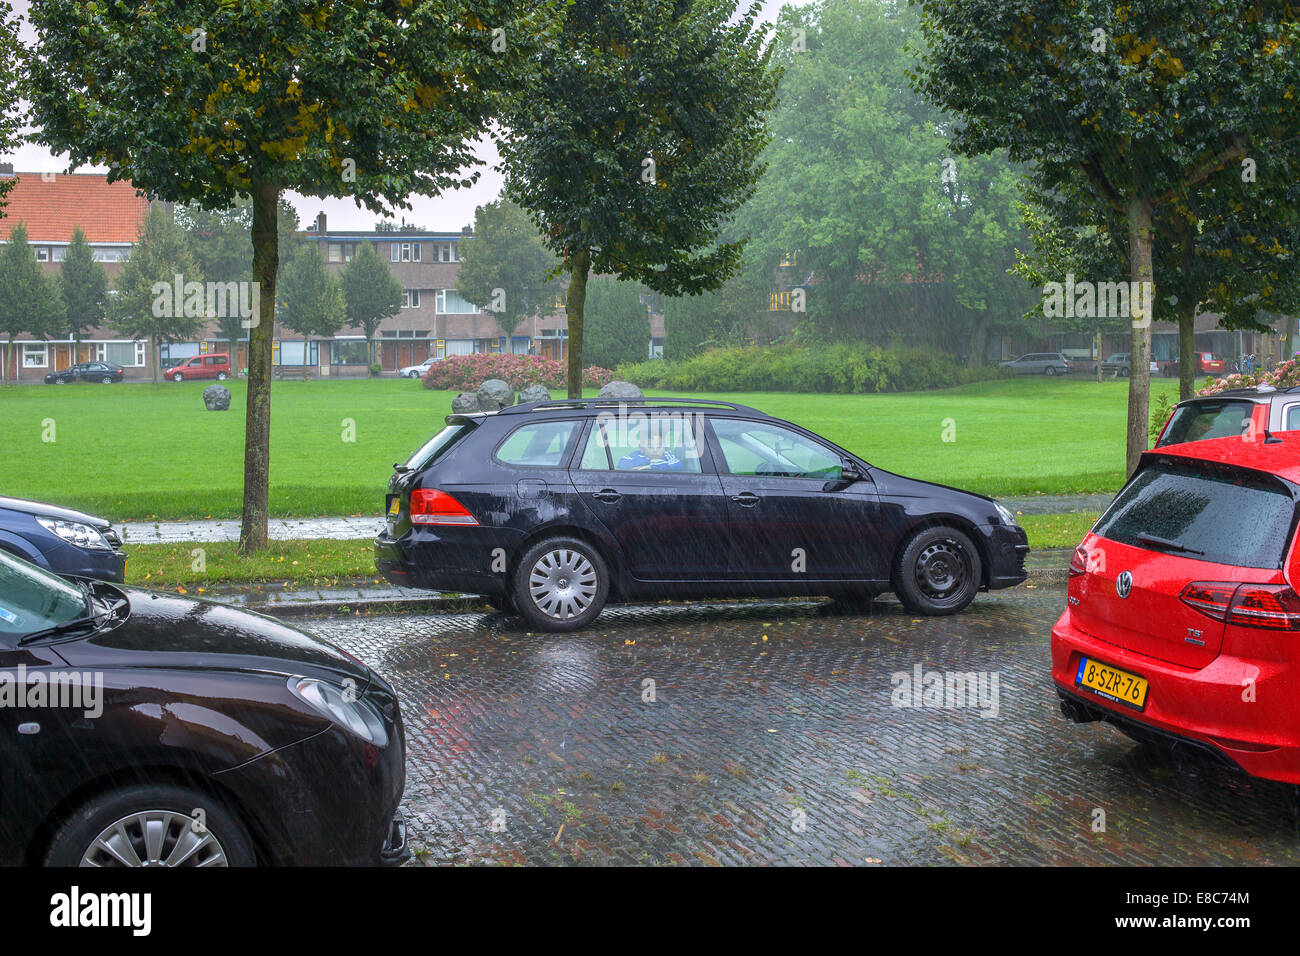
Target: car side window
(762, 449)
(1292, 422)
(538, 444)
(654, 442)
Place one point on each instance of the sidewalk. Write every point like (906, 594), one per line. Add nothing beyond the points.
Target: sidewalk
(355, 528)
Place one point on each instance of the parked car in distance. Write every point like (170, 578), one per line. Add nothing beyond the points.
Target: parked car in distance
(1116, 364)
(214, 365)
(1236, 413)
(1039, 363)
(61, 540)
(554, 508)
(417, 371)
(1182, 621)
(105, 373)
(283, 747)
(1207, 363)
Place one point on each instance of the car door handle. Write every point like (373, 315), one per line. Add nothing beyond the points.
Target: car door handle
(606, 494)
(747, 498)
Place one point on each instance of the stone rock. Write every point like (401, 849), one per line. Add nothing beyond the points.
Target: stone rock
(534, 393)
(621, 391)
(464, 403)
(494, 395)
(216, 398)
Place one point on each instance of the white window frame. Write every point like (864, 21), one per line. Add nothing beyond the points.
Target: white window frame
(29, 353)
(395, 252)
(42, 253)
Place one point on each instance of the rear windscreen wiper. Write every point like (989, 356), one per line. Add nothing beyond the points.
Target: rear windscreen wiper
(1166, 544)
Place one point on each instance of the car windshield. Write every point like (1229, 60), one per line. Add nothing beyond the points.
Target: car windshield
(438, 445)
(1204, 511)
(32, 599)
(1200, 420)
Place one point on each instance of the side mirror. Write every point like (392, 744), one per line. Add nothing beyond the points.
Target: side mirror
(850, 470)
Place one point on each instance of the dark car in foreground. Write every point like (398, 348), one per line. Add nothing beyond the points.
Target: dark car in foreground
(104, 373)
(1235, 413)
(61, 540)
(175, 732)
(554, 508)
(1182, 619)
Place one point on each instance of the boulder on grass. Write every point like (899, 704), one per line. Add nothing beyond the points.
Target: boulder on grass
(216, 398)
(464, 403)
(494, 395)
(620, 391)
(534, 393)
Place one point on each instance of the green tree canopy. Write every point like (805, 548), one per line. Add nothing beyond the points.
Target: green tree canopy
(206, 101)
(311, 299)
(618, 324)
(371, 293)
(84, 285)
(148, 304)
(29, 299)
(506, 268)
(637, 139)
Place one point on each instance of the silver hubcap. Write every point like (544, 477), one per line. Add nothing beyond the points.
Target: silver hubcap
(155, 838)
(562, 584)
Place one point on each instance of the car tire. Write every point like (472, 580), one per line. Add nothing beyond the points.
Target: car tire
(107, 380)
(1050, 370)
(546, 593)
(60, 381)
(938, 571)
(178, 377)
(221, 839)
(221, 376)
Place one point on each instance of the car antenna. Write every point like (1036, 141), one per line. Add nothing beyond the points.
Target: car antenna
(1270, 438)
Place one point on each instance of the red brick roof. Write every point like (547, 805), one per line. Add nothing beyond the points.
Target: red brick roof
(51, 210)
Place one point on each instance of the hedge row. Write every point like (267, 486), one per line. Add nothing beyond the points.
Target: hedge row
(832, 368)
(468, 372)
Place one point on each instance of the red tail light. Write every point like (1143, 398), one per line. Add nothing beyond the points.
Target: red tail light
(431, 506)
(1079, 561)
(1272, 606)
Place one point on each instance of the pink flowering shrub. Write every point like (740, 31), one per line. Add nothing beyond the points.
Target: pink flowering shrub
(465, 373)
(1285, 375)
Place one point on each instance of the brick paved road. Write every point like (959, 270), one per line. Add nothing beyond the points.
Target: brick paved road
(748, 737)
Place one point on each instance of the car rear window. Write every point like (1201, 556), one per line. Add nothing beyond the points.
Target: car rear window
(438, 446)
(1201, 420)
(1210, 512)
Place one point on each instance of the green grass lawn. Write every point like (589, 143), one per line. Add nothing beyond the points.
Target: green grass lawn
(153, 451)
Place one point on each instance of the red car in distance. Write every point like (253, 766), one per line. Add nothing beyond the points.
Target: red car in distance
(215, 365)
(1182, 621)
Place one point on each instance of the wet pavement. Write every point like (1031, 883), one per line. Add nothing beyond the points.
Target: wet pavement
(772, 734)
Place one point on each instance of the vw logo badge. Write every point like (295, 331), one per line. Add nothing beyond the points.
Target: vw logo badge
(1124, 583)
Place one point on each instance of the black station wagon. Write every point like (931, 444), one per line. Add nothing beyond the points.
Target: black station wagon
(551, 509)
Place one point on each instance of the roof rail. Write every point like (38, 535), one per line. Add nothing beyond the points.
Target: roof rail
(651, 400)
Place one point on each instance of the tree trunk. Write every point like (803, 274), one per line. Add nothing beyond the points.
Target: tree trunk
(1288, 340)
(153, 355)
(9, 357)
(978, 344)
(1186, 350)
(257, 425)
(1096, 351)
(579, 266)
(1140, 242)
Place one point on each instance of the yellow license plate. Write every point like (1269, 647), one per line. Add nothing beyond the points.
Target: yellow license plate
(1112, 683)
(394, 507)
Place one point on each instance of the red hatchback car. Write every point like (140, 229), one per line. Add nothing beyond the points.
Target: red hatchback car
(1182, 622)
(216, 365)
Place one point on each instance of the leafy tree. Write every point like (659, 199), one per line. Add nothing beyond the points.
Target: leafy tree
(29, 299)
(1144, 100)
(205, 101)
(223, 250)
(637, 140)
(618, 324)
(311, 299)
(11, 117)
(371, 293)
(887, 235)
(84, 285)
(507, 267)
(146, 305)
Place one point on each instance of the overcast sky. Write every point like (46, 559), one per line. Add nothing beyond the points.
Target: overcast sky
(445, 213)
